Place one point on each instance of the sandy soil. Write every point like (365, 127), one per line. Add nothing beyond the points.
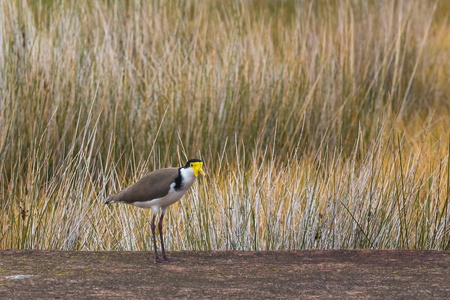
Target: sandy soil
(302, 274)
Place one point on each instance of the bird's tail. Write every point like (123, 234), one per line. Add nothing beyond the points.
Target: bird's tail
(109, 200)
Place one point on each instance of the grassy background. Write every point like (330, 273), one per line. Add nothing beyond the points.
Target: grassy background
(322, 125)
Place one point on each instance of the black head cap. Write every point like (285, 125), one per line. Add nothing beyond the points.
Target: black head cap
(188, 164)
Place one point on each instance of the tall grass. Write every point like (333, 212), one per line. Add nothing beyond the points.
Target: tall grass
(322, 124)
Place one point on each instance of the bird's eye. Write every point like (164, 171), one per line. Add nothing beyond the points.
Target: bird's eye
(192, 165)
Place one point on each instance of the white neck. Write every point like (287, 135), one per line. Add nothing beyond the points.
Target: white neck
(188, 177)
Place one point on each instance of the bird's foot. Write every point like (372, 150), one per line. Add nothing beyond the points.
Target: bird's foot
(167, 259)
(160, 260)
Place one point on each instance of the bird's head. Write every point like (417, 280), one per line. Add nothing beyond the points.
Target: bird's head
(196, 165)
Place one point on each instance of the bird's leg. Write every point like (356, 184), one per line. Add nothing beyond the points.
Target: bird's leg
(160, 227)
(154, 238)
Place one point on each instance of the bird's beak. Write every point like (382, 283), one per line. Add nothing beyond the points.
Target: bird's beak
(201, 169)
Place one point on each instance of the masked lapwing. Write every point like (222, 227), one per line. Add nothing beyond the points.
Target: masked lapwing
(158, 190)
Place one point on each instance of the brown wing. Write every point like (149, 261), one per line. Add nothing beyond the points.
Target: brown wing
(152, 186)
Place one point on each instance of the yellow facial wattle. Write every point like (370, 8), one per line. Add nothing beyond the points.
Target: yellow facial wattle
(197, 167)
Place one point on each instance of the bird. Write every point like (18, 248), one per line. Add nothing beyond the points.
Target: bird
(158, 190)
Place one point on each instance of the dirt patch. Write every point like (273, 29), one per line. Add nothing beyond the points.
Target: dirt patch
(231, 274)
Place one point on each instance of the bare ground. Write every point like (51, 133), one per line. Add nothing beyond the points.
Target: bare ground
(320, 274)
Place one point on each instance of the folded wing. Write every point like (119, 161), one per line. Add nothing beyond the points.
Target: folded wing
(152, 186)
